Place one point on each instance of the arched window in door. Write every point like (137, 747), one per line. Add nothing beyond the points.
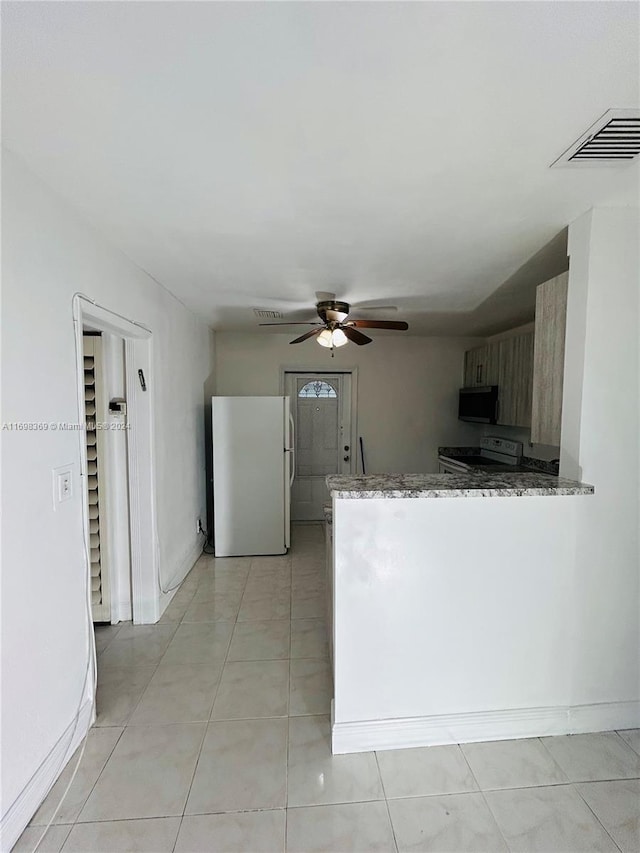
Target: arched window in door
(317, 388)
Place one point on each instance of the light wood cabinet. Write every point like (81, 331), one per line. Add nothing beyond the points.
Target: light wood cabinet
(472, 360)
(481, 366)
(507, 363)
(548, 360)
(492, 364)
(528, 368)
(515, 380)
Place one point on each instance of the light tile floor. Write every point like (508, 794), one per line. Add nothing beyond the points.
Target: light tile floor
(213, 735)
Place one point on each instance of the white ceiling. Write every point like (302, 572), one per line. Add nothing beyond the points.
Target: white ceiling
(249, 154)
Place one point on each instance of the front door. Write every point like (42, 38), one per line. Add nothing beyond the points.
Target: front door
(321, 409)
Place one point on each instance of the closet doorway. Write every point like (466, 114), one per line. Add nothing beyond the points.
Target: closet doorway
(127, 516)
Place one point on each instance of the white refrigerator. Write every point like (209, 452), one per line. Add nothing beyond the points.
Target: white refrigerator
(253, 469)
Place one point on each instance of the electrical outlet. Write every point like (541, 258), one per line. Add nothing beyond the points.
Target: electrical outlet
(62, 484)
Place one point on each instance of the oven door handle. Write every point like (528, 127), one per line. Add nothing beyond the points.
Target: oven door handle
(453, 467)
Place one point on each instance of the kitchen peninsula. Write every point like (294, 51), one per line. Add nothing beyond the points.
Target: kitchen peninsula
(453, 609)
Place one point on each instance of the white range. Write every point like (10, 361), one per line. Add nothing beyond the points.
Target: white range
(495, 454)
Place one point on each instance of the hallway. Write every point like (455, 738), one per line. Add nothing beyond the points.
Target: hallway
(213, 735)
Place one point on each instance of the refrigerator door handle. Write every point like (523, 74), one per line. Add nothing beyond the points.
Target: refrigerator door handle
(292, 450)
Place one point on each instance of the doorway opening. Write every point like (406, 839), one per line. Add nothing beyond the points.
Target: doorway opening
(117, 463)
(324, 416)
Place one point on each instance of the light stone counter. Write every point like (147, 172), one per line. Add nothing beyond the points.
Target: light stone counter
(471, 485)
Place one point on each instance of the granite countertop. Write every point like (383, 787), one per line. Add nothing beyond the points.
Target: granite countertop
(471, 485)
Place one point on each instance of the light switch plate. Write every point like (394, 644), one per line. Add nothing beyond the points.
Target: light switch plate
(62, 484)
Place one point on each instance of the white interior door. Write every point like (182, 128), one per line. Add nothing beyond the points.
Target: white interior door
(321, 409)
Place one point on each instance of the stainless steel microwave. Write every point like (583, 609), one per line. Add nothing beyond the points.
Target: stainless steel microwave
(479, 405)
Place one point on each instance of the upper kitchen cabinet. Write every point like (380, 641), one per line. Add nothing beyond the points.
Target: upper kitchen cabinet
(473, 359)
(507, 363)
(548, 360)
(481, 366)
(515, 380)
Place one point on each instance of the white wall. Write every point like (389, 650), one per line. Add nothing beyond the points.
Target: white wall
(600, 433)
(435, 631)
(577, 560)
(48, 254)
(407, 389)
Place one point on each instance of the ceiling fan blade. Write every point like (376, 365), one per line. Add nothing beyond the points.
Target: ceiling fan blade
(355, 336)
(398, 325)
(358, 307)
(292, 323)
(307, 335)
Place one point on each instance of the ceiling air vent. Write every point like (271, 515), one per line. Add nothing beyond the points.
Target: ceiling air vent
(614, 140)
(264, 314)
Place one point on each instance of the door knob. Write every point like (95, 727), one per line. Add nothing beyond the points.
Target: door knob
(346, 447)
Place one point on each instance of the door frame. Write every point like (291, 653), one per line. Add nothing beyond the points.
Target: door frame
(351, 371)
(145, 584)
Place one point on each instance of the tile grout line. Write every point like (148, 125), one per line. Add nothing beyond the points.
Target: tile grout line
(142, 695)
(457, 793)
(484, 799)
(155, 667)
(208, 722)
(587, 781)
(635, 751)
(597, 781)
(624, 743)
(541, 741)
(136, 666)
(287, 806)
(627, 746)
(40, 848)
(566, 784)
(175, 625)
(86, 799)
(125, 724)
(95, 726)
(553, 759)
(574, 785)
(386, 800)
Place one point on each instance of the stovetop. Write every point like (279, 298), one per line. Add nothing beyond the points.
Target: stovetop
(497, 454)
(494, 452)
(477, 460)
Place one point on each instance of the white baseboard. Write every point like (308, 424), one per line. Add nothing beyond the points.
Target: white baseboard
(192, 556)
(25, 806)
(121, 612)
(470, 727)
(604, 717)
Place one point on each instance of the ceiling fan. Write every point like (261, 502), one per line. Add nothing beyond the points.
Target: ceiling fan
(336, 329)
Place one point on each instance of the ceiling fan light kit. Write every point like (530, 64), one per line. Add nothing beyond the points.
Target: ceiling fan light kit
(335, 330)
(335, 338)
